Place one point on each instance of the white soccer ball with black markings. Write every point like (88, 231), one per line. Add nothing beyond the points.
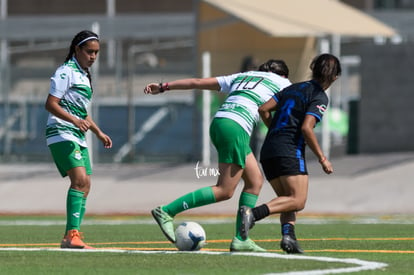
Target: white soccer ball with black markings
(190, 236)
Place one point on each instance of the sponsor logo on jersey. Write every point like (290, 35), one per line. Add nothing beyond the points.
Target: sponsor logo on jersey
(322, 108)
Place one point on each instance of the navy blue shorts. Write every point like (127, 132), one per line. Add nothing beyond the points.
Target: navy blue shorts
(283, 166)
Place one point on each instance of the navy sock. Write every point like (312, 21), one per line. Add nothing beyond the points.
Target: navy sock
(289, 229)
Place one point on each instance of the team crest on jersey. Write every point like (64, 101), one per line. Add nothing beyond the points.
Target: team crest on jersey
(322, 108)
(78, 155)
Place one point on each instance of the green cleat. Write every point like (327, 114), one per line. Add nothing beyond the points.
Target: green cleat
(245, 246)
(165, 222)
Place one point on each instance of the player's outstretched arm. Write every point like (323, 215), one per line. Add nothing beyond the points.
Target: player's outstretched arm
(210, 83)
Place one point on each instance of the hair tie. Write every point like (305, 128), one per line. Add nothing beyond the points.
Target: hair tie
(86, 39)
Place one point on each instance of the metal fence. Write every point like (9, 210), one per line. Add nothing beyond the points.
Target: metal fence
(134, 50)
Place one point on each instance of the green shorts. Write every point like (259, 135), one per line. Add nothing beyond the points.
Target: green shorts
(231, 141)
(68, 155)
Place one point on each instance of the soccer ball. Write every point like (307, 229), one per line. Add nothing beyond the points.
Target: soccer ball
(190, 236)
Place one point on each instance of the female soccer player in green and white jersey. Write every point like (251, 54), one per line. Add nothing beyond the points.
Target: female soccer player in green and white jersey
(69, 95)
(230, 133)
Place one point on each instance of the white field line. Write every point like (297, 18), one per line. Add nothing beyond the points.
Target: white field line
(208, 220)
(360, 264)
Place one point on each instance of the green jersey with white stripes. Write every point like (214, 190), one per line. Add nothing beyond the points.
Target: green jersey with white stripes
(247, 91)
(71, 84)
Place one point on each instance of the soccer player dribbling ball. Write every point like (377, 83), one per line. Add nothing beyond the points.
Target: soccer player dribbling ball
(67, 103)
(230, 133)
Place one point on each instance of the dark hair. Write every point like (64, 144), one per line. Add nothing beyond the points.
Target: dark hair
(275, 66)
(248, 64)
(79, 37)
(325, 69)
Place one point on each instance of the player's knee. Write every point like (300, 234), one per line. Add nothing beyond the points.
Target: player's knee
(254, 186)
(81, 183)
(300, 205)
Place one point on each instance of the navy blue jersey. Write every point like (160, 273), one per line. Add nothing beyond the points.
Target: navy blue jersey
(284, 137)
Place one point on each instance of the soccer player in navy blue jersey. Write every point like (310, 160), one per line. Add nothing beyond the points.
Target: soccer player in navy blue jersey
(297, 110)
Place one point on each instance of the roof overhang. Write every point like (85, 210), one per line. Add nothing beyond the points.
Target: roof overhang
(295, 18)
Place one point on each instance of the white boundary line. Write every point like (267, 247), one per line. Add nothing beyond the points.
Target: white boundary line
(215, 220)
(361, 265)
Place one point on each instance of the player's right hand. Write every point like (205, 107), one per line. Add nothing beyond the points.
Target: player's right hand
(152, 88)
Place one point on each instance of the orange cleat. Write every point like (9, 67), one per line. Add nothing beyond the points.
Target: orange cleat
(73, 239)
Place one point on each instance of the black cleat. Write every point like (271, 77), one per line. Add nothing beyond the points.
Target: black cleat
(247, 221)
(290, 246)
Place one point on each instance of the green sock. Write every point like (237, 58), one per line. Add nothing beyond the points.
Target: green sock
(83, 210)
(200, 197)
(248, 200)
(73, 209)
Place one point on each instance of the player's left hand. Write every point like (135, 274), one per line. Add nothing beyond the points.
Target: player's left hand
(106, 140)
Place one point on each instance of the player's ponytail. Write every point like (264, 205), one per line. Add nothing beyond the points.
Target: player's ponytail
(325, 69)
